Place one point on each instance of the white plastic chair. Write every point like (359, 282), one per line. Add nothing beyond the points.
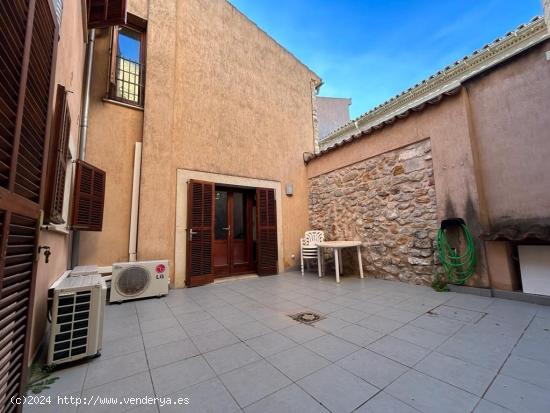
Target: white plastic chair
(308, 246)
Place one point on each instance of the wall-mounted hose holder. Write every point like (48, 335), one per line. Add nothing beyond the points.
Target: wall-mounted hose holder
(456, 250)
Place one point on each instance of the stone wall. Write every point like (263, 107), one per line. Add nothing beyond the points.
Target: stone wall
(388, 202)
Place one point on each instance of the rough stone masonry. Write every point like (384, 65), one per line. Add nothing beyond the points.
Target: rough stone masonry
(388, 202)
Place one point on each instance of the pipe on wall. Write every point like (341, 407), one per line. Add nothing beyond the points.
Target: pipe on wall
(75, 239)
(86, 95)
(132, 247)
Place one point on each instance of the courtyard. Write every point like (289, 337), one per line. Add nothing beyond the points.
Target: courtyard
(380, 346)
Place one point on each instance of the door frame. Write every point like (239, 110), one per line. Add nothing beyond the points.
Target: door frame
(250, 266)
(182, 177)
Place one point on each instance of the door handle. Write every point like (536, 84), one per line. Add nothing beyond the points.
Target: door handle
(191, 233)
(227, 228)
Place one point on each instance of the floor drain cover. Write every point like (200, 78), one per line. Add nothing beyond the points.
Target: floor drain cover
(307, 317)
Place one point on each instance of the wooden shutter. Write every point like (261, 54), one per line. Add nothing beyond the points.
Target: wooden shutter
(89, 197)
(267, 231)
(103, 13)
(28, 33)
(200, 233)
(58, 160)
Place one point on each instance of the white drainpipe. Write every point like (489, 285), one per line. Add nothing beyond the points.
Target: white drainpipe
(132, 247)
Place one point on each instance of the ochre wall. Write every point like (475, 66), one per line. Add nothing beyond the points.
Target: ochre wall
(113, 131)
(139, 8)
(68, 72)
(221, 97)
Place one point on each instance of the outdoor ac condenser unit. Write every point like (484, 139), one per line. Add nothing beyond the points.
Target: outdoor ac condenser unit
(77, 319)
(140, 279)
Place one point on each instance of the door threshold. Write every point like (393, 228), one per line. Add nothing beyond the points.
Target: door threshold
(234, 278)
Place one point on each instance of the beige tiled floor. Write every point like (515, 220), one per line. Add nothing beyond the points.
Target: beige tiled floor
(232, 347)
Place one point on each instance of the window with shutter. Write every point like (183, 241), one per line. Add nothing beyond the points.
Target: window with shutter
(200, 224)
(127, 71)
(104, 13)
(267, 231)
(58, 160)
(28, 30)
(89, 197)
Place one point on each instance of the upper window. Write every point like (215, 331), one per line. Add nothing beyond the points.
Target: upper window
(127, 78)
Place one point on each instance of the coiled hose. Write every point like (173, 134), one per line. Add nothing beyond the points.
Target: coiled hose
(457, 267)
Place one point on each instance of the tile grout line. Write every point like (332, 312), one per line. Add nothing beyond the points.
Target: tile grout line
(506, 360)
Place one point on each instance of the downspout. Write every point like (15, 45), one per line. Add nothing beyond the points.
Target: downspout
(132, 247)
(75, 244)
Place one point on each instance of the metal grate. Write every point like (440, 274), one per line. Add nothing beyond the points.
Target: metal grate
(307, 317)
(73, 316)
(129, 81)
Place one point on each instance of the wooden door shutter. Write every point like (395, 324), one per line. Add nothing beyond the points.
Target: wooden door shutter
(267, 231)
(35, 112)
(103, 13)
(200, 229)
(58, 160)
(28, 34)
(13, 17)
(18, 238)
(89, 197)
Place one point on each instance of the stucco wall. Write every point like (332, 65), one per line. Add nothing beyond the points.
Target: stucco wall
(113, 131)
(221, 97)
(70, 60)
(512, 124)
(139, 8)
(332, 113)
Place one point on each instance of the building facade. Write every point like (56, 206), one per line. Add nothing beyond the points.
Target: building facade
(331, 113)
(222, 102)
(185, 98)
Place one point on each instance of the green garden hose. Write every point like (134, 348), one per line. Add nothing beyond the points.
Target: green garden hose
(457, 267)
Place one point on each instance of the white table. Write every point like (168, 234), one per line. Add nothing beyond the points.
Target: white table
(337, 246)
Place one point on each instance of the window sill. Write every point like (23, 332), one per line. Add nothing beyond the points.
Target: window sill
(125, 105)
(55, 228)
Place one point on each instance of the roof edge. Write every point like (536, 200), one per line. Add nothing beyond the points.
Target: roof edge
(501, 49)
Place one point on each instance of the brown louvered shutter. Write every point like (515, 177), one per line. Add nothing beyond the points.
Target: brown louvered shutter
(267, 231)
(27, 52)
(200, 229)
(89, 197)
(103, 13)
(35, 112)
(58, 159)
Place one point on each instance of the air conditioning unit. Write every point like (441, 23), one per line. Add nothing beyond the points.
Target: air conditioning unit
(77, 319)
(140, 279)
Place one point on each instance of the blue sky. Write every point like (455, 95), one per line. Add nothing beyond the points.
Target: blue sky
(370, 50)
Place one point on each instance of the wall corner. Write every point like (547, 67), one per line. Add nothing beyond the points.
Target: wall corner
(315, 85)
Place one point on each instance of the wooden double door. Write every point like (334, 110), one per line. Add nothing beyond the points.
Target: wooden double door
(230, 231)
(234, 245)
